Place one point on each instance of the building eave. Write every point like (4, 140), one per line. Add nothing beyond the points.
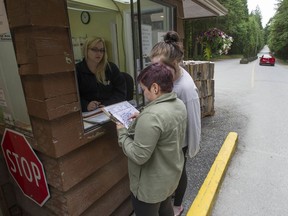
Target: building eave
(202, 8)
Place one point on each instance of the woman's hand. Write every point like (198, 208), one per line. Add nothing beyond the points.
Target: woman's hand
(119, 125)
(134, 116)
(93, 105)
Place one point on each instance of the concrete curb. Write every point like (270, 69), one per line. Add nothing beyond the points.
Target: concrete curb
(206, 196)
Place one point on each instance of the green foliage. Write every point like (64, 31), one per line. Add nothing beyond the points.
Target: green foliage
(234, 23)
(254, 38)
(246, 30)
(215, 42)
(278, 31)
(207, 52)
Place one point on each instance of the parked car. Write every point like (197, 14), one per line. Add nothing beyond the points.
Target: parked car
(267, 59)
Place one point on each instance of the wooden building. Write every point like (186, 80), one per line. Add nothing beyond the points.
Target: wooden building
(85, 169)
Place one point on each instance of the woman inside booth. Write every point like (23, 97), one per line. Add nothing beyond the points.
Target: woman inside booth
(99, 81)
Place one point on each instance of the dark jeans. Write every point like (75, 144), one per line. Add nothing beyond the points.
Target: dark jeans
(180, 190)
(163, 208)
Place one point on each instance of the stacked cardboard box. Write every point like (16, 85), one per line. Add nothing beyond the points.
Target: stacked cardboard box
(202, 73)
(86, 171)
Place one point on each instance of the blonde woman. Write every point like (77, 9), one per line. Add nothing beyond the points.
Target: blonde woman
(170, 50)
(100, 82)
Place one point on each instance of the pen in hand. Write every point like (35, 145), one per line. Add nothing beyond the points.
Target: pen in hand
(133, 116)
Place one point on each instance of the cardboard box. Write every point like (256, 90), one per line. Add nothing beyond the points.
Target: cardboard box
(43, 50)
(43, 87)
(59, 136)
(60, 172)
(37, 13)
(105, 182)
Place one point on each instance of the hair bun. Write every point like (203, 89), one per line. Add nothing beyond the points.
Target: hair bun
(171, 36)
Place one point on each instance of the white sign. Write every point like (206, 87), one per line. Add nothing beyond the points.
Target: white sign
(2, 98)
(4, 27)
(146, 39)
(5, 37)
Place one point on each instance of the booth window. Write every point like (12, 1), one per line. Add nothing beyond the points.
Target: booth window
(119, 24)
(142, 22)
(151, 20)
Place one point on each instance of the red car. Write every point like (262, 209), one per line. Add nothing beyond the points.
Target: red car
(267, 59)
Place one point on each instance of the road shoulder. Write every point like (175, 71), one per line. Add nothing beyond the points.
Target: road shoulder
(203, 203)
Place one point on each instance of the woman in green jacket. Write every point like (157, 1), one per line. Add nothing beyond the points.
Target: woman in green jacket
(153, 143)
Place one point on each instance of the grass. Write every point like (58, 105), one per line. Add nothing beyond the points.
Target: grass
(281, 61)
(223, 57)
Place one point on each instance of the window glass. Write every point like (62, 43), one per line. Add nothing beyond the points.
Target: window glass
(102, 19)
(156, 20)
(151, 20)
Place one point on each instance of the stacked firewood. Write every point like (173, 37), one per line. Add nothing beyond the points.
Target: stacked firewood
(202, 73)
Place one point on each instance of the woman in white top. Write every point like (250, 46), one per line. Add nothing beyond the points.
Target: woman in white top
(170, 50)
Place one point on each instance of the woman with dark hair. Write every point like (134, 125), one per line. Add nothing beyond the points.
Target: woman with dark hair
(170, 50)
(153, 143)
(100, 82)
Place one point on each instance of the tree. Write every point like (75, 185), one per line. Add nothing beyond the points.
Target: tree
(245, 29)
(254, 39)
(258, 15)
(259, 28)
(234, 23)
(278, 36)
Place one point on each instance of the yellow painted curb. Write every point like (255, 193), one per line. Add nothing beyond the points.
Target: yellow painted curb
(205, 198)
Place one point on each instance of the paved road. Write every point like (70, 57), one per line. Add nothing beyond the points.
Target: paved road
(252, 101)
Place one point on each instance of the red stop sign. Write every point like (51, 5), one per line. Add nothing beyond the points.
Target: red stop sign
(25, 167)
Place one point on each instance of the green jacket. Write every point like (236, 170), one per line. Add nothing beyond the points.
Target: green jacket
(153, 145)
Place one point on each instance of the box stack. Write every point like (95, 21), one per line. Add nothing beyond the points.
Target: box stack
(86, 172)
(202, 73)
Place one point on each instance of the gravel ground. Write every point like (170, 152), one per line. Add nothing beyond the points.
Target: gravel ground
(214, 131)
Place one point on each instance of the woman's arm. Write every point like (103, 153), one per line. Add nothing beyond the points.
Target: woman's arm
(118, 84)
(140, 148)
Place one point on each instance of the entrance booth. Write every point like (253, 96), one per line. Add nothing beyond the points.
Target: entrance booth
(40, 44)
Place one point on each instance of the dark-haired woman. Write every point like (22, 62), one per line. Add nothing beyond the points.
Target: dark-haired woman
(153, 143)
(170, 50)
(99, 81)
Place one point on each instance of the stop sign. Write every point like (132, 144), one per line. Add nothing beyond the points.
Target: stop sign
(25, 167)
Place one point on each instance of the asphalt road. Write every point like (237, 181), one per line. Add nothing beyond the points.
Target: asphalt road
(252, 101)
(214, 131)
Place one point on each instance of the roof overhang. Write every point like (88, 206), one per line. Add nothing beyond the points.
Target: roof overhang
(202, 8)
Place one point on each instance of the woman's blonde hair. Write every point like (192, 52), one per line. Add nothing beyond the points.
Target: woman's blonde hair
(170, 49)
(100, 70)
